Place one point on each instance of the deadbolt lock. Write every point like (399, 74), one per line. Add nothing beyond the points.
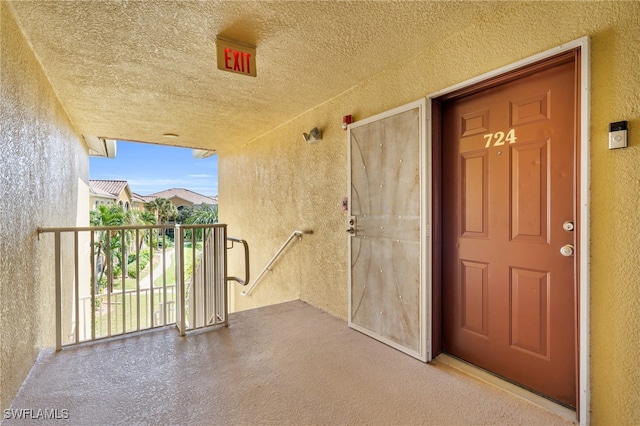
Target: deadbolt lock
(352, 226)
(568, 226)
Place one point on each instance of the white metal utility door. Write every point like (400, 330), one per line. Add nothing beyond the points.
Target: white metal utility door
(387, 287)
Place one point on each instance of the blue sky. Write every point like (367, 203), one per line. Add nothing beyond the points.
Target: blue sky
(152, 168)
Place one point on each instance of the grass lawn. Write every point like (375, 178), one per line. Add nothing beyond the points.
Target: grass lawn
(130, 283)
(171, 270)
(131, 312)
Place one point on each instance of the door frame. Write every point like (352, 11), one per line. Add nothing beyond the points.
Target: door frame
(582, 209)
(424, 352)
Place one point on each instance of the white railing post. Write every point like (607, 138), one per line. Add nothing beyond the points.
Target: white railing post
(223, 277)
(94, 285)
(203, 270)
(58, 274)
(179, 259)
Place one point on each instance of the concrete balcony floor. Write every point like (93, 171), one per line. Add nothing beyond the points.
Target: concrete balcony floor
(288, 364)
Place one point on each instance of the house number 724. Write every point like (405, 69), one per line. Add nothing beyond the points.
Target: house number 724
(500, 138)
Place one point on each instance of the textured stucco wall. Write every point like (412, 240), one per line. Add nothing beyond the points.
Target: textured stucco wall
(278, 182)
(43, 181)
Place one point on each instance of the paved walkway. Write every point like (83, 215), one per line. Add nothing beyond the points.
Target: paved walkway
(145, 282)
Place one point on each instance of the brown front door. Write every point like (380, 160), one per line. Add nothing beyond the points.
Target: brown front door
(508, 206)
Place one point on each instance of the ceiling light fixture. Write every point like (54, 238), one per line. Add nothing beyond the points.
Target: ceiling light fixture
(203, 153)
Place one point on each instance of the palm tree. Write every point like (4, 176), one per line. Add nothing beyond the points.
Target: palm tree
(152, 207)
(147, 218)
(162, 208)
(129, 217)
(112, 215)
(204, 214)
(120, 242)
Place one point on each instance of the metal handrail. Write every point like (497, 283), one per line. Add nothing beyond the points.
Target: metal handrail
(296, 233)
(246, 261)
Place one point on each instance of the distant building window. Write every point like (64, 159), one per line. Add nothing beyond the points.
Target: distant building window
(126, 206)
(120, 203)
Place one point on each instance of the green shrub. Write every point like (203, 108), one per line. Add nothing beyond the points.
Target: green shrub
(131, 270)
(143, 260)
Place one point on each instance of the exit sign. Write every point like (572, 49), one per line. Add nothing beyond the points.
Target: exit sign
(235, 56)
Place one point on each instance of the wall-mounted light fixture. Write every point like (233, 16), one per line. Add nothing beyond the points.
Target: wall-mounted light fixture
(314, 135)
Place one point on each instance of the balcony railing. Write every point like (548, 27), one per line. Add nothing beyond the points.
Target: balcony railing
(111, 281)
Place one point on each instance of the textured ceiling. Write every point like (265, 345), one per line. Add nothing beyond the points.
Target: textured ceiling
(135, 70)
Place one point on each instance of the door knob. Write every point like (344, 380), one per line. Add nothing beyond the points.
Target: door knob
(566, 250)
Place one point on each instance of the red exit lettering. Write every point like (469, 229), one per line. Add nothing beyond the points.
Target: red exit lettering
(235, 56)
(235, 60)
